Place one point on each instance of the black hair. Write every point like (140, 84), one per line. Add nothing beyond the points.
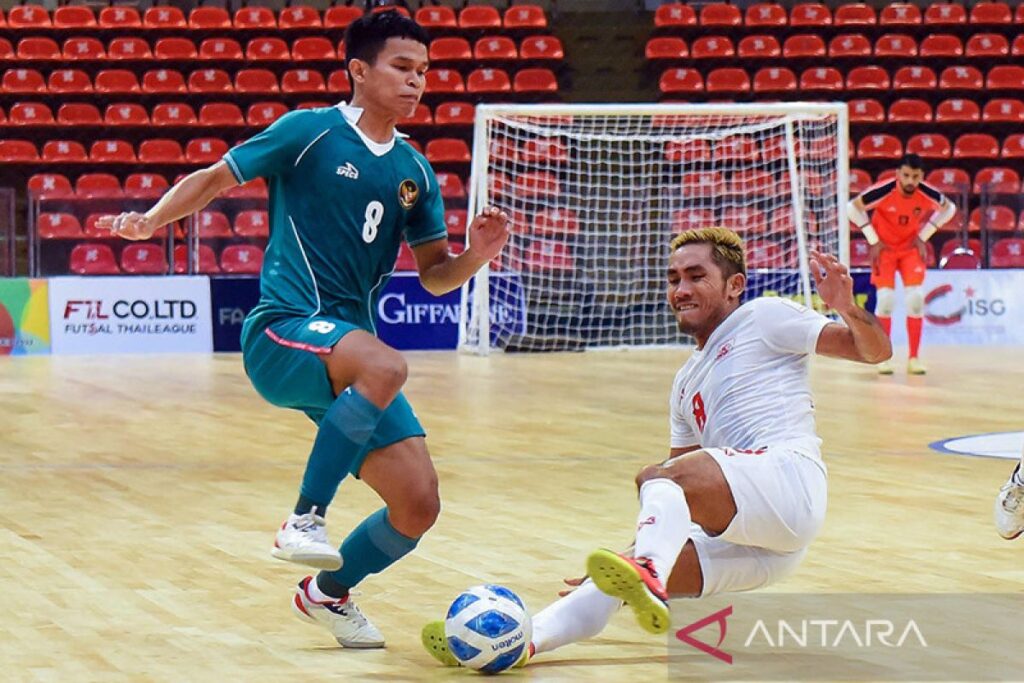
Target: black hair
(366, 36)
(913, 161)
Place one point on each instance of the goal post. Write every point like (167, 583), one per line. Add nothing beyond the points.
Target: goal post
(595, 193)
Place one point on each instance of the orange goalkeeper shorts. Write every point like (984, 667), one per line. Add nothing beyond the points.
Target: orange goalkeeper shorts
(905, 261)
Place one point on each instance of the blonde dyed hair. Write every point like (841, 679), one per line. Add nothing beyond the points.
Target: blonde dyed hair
(726, 247)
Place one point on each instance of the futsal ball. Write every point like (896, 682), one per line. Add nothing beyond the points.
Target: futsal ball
(488, 628)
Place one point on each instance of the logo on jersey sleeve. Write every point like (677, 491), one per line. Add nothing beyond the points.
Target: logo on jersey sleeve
(348, 171)
(408, 193)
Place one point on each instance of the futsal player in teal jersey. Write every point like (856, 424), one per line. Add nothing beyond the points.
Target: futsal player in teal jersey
(345, 191)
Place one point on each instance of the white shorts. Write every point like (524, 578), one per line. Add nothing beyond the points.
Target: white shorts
(781, 496)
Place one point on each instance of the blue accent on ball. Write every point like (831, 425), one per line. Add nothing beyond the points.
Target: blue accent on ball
(505, 593)
(461, 603)
(462, 650)
(492, 624)
(504, 661)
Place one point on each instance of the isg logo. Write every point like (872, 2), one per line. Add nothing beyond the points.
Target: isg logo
(944, 305)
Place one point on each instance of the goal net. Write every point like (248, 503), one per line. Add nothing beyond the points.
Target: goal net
(596, 192)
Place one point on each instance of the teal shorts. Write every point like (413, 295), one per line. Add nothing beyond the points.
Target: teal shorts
(282, 360)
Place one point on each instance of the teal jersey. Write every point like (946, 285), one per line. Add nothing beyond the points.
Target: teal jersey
(340, 206)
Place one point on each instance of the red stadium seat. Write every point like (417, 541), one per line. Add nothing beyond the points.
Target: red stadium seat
(986, 45)
(455, 221)
(759, 47)
(58, 226)
(859, 181)
(996, 13)
(681, 81)
(555, 222)
(712, 47)
(1017, 49)
(688, 151)
(221, 114)
(896, 45)
(120, 16)
(254, 189)
(855, 14)
(949, 179)
(692, 219)
(1005, 77)
(541, 48)
(720, 15)
(263, 114)
(850, 45)
(883, 146)
(91, 185)
(338, 82)
(144, 185)
(313, 48)
(860, 253)
(1013, 147)
(6, 50)
(444, 81)
(774, 79)
(83, 48)
(174, 114)
(728, 80)
(525, 17)
(866, 111)
(534, 81)
(252, 223)
(302, 81)
(299, 17)
(220, 49)
(954, 255)
(479, 17)
(93, 259)
(128, 48)
(206, 18)
(447, 150)
(763, 14)
(213, 225)
(821, 78)
(117, 81)
(669, 47)
(736, 148)
(256, 81)
(23, 81)
(160, 151)
(976, 146)
(205, 150)
(28, 17)
(163, 81)
(181, 49)
(406, 261)
(929, 146)
(164, 17)
(49, 186)
(439, 17)
(488, 81)
(255, 17)
(1007, 252)
(545, 255)
(960, 78)
(267, 49)
(997, 179)
(340, 16)
(451, 186)
(945, 14)
(488, 48)
(996, 217)
(38, 49)
(957, 111)
(144, 259)
(126, 114)
(867, 78)
(454, 114)
(1001, 110)
(941, 45)
(537, 184)
(64, 151)
(914, 78)
(209, 81)
(766, 255)
(910, 111)
(900, 14)
(30, 114)
(112, 151)
(69, 81)
(675, 15)
(813, 14)
(241, 259)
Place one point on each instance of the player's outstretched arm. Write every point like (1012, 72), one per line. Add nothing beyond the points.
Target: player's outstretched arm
(440, 272)
(192, 194)
(862, 337)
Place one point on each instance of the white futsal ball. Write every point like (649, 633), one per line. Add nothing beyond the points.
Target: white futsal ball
(488, 628)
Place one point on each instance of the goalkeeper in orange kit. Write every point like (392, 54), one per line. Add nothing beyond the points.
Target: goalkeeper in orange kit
(906, 212)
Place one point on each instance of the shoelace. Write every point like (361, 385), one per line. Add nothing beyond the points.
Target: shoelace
(306, 522)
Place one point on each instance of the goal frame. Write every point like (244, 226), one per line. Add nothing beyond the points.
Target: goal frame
(474, 300)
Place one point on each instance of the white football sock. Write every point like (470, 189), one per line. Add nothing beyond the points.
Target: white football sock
(580, 615)
(663, 525)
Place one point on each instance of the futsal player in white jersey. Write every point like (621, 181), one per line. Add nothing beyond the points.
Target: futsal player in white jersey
(744, 490)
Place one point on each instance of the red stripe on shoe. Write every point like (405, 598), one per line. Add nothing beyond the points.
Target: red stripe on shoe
(298, 603)
(278, 339)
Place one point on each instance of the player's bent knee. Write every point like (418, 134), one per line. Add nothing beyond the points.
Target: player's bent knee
(914, 300)
(417, 512)
(650, 472)
(386, 371)
(885, 301)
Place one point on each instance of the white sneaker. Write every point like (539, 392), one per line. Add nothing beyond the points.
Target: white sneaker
(303, 539)
(884, 368)
(342, 618)
(1009, 511)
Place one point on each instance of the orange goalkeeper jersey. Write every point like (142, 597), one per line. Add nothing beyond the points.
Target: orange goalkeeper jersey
(897, 218)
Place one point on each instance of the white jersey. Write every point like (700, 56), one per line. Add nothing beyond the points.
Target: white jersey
(748, 388)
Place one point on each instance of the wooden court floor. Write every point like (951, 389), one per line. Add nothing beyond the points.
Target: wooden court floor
(139, 496)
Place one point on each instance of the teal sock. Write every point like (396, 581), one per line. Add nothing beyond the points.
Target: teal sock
(344, 432)
(373, 546)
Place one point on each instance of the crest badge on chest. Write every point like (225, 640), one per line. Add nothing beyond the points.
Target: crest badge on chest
(408, 193)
